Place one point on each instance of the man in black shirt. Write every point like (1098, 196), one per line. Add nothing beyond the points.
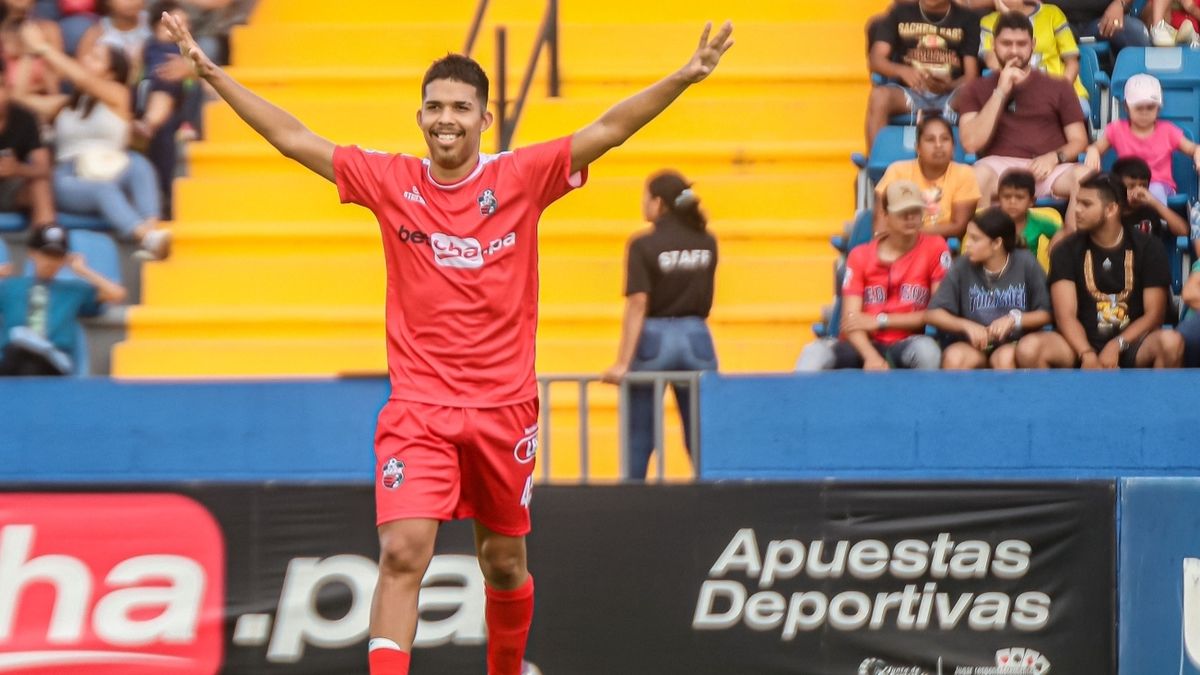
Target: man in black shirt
(25, 163)
(1109, 286)
(926, 50)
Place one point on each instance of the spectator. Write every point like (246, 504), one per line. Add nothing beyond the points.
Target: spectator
(40, 310)
(124, 24)
(887, 287)
(1143, 211)
(950, 191)
(669, 291)
(1109, 287)
(1021, 118)
(1189, 328)
(213, 19)
(1033, 225)
(1106, 20)
(1174, 22)
(160, 101)
(1054, 49)
(24, 73)
(1145, 136)
(992, 295)
(25, 164)
(926, 50)
(74, 17)
(95, 172)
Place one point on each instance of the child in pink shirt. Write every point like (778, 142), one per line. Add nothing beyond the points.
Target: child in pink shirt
(1144, 136)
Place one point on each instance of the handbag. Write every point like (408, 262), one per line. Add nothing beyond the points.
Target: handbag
(101, 164)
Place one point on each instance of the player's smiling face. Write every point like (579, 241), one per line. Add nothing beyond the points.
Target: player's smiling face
(452, 118)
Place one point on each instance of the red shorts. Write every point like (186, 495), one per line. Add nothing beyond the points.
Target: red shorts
(1178, 16)
(446, 463)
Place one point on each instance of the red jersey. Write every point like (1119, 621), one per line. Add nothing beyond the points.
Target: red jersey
(462, 280)
(905, 285)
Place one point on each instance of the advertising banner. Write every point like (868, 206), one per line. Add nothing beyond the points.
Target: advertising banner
(747, 578)
(1160, 576)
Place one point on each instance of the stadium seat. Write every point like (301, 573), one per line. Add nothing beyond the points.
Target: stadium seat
(13, 221)
(4, 259)
(1098, 84)
(1177, 68)
(861, 232)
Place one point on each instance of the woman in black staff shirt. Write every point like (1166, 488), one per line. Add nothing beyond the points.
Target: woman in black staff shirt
(669, 292)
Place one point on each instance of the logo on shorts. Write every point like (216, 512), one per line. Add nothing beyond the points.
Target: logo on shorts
(393, 474)
(526, 448)
(487, 202)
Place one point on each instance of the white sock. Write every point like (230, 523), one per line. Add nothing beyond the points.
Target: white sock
(382, 643)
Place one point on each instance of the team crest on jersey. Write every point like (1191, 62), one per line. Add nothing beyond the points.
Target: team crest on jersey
(393, 474)
(487, 202)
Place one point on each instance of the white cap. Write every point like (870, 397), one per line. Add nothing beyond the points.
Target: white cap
(1143, 88)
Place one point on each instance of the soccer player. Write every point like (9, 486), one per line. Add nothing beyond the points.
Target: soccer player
(457, 438)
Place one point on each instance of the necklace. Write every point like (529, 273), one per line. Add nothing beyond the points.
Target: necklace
(921, 9)
(994, 276)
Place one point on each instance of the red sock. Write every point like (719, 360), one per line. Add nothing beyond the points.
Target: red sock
(388, 662)
(509, 614)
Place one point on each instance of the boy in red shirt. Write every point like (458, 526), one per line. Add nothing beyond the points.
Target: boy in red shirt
(458, 436)
(888, 284)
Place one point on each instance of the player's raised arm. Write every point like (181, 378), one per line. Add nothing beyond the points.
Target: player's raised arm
(279, 127)
(624, 119)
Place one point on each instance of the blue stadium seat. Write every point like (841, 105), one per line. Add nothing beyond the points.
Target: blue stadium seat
(1097, 83)
(861, 232)
(4, 259)
(12, 221)
(1177, 68)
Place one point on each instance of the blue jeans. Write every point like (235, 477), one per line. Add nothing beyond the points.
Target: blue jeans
(682, 343)
(1133, 33)
(126, 202)
(1189, 329)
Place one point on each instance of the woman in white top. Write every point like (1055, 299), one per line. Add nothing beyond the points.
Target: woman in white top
(95, 172)
(124, 24)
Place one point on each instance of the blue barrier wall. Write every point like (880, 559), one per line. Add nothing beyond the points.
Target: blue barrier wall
(1159, 530)
(101, 431)
(850, 424)
(981, 425)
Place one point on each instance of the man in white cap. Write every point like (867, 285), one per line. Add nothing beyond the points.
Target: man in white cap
(888, 284)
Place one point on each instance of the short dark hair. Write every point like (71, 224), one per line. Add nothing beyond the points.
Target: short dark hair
(460, 69)
(1134, 168)
(932, 117)
(159, 8)
(1018, 179)
(1014, 21)
(1110, 188)
(995, 224)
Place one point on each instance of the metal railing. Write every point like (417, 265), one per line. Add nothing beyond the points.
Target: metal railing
(547, 37)
(658, 380)
(476, 24)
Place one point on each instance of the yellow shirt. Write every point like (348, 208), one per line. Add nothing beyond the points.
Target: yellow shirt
(1052, 41)
(956, 186)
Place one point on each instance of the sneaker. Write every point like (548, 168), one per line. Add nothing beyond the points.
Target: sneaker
(156, 245)
(1162, 35)
(1186, 35)
(528, 668)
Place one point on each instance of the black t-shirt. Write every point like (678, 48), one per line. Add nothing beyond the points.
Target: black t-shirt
(1145, 220)
(676, 265)
(21, 133)
(1120, 301)
(929, 43)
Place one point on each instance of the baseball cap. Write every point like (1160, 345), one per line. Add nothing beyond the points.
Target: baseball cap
(903, 195)
(51, 240)
(1143, 88)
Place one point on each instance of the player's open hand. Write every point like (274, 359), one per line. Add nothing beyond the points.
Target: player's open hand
(188, 47)
(709, 53)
